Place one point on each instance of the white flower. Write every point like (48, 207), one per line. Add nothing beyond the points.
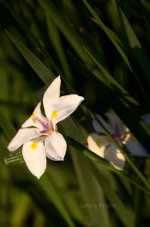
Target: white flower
(38, 134)
(103, 146)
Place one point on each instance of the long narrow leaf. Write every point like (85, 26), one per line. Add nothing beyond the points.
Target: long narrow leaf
(43, 72)
(118, 47)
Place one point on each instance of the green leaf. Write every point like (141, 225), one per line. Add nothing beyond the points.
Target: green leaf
(146, 4)
(55, 38)
(92, 192)
(110, 186)
(108, 33)
(7, 127)
(110, 80)
(71, 35)
(118, 47)
(52, 194)
(31, 36)
(43, 72)
(136, 46)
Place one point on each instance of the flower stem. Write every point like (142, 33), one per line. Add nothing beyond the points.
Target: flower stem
(14, 158)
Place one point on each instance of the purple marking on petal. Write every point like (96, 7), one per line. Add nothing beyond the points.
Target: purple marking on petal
(118, 137)
(44, 131)
(117, 129)
(46, 126)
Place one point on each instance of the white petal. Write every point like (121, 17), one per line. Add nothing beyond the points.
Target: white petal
(97, 126)
(146, 118)
(92, 145)
(115, 157)
(42, 122)
(111, 117)
(51, 96)
(65, 106)
(55, 147)
(115, 120)
(35, 159)
(101, 140)
(107, 126)
(136, 148)
(37, 112)
(22, 136)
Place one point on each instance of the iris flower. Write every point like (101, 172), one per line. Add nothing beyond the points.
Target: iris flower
(103, 146)
(39, 135)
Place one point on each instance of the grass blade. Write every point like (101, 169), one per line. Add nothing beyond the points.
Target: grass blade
(136, 46)
(91, 191)
(115, 43)
(112, 81)
(56, 41)
(43, 72)
(31, 36)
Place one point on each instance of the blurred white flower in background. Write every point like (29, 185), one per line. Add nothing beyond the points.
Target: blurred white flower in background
(104, 147)
(38, 134)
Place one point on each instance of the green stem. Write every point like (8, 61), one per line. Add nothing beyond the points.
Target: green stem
(138, 198)
(14, 158)
(138, 201)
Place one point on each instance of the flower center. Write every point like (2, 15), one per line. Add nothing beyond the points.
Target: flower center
(119, 136)
(122, 137)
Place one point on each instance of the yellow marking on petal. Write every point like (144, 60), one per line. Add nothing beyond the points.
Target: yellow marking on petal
(54, 114)
(133, 139)
(98, 142)
(127, 137)
(32, 116)
(33, 146)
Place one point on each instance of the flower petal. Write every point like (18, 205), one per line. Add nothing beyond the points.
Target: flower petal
(136, 148)
(34, 157)
(42, 123)
(22, 136)
(101, 140)
(97, 126)
(51, 96)
(37, 112)
(115, 157)
(146, 118)
(115, 121)
(55, 147)
(65, 106)
(111, 117)
(92, 145)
